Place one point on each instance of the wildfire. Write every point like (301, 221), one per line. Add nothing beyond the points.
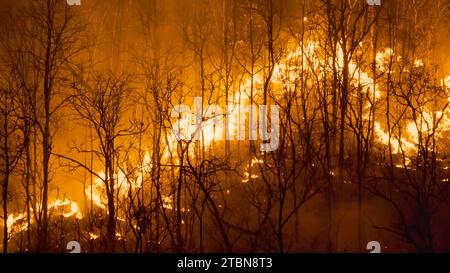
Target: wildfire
(247, 176)
(66, 208)
(17, 222)
(382, 59)
(398, 144)
(285, 73)
(95, 192)
(446, 82)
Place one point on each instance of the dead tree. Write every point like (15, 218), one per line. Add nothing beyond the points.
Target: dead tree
(12, 144)
(103, 106)
(51, 30)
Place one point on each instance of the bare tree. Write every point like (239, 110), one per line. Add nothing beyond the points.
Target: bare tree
(51, 31)
(104, 106)
(11, 144)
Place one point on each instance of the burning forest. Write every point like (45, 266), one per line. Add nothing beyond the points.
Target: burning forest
(224, 125)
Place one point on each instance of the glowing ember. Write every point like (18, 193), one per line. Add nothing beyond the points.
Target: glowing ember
(93, 236)
(167, 203)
